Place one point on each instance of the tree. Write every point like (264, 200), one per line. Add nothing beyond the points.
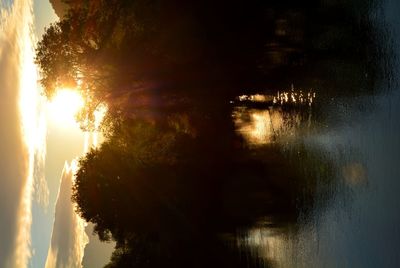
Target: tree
(139, 159)
(58, 58)
(90, 50)
(151, 187)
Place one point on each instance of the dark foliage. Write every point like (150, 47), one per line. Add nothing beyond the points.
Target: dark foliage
(164, 48)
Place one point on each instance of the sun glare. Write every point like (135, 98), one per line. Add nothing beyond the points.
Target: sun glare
(64, 106)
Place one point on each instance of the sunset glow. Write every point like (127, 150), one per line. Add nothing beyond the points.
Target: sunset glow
(64, 106)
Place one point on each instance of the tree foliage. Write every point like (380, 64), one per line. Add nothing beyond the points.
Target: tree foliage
(58, 58)
(151, 187)
(135, 169)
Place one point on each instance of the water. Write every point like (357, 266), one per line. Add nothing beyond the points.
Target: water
(344, 150)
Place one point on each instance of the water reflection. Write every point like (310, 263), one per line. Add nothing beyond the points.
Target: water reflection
(355, 174)
(347, 185)
(257, 126)
(267, 244)
(281, 117)
(345, 160)
(327, 176)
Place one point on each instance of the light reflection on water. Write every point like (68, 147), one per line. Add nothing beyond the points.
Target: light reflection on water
(354, 216)
(283, 115)
(352, 167)
(257, 126)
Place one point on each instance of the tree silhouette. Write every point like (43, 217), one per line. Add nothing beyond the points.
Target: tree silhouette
(122, 186)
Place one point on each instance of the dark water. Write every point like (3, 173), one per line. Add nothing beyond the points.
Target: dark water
(338, 141)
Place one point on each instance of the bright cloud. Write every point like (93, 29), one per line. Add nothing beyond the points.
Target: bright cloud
(69, 239)
(21, 133)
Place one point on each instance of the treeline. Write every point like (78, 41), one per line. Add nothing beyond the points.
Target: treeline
(113, 49)
(172, 175)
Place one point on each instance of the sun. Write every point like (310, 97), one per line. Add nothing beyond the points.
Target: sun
(63, 107)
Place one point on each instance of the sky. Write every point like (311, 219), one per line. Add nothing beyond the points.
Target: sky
(19, 136)
(64, 143)
(36, 160)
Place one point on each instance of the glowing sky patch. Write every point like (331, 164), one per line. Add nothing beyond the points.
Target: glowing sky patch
(22, 133)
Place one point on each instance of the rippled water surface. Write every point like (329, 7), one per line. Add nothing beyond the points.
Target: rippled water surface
(344, 151)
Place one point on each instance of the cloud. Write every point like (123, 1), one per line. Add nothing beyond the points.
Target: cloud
(97, 253)
(18, 132)
(68, 239)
